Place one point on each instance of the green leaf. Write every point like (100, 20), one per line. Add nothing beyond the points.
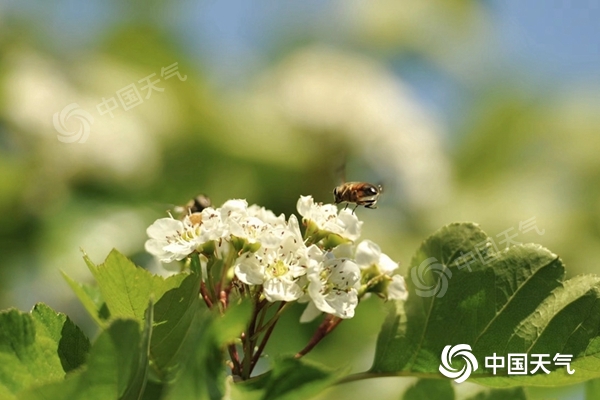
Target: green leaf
(290, 379)
(174, 316)
(500, 394)
(510, 301)
(230, 326)
(91, 298)
(426, 389)
(442, 389)
(117, 367)
(127, 288)
(592, 389)
(37, 348)
(202, 372)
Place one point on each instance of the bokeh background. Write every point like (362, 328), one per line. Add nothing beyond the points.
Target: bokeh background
(484, 111)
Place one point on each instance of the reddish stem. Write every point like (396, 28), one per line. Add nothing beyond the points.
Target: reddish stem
(235, 359)
(329, 324)
(248, 343)
(205, 295)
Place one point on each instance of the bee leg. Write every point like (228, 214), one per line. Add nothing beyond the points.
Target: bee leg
(355, 207)
(346, 206)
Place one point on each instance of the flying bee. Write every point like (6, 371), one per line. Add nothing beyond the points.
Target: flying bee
(359, 193)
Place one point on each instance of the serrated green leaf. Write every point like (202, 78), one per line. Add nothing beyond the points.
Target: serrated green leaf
(116, 369)
(127, 288)
(511, 301)
(91, 298)
(37, 348)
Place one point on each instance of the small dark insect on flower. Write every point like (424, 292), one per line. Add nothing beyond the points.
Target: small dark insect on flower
(195, 205)
(198, 203)
(359, 193)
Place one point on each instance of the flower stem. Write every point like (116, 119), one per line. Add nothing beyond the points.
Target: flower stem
(329, 324)
(265, 339)
(273, 319)
(235, 359)
(205, 295)
(248, 338)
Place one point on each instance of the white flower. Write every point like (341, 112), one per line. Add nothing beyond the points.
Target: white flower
(212, 226)
(396, 289)
(233, 209)
(333, 288)
(326, 217)
(266, 216)
(279, 268)
(368, 253)
(254, 224)
(253, 230)
(172, 239)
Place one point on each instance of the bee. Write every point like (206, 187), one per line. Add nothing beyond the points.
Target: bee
(194, 207)
(359, 193)
(197, 204)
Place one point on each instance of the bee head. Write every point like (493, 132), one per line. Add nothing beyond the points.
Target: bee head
(336, 195)
(371, 191)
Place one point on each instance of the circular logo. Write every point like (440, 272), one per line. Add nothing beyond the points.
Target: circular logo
(73, 124)
(417, 275)
(464, 351)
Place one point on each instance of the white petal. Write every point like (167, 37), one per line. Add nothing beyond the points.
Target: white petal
(310, 313)
(397, 289)
(294, 227)
(367, 253)
(350, 223)
(250, 271)
(163, 227)
(345, 273)
(314, 290)
(156, 248)
(343, 303)
(304, 205)
(265, 215)
(315, 253)
(386, 264)
(281, 290)
(236, 207)
(180, 250)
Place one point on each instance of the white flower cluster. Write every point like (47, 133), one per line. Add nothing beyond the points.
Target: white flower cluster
(323, 267)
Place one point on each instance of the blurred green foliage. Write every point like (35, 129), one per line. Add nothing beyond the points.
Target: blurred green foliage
(514, 151)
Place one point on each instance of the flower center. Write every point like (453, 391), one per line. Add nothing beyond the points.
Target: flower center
(278, 268)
